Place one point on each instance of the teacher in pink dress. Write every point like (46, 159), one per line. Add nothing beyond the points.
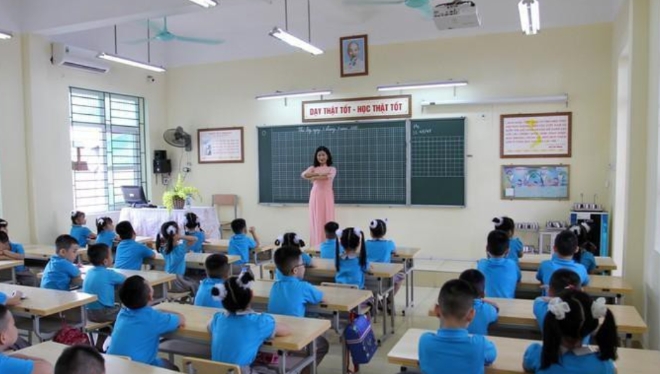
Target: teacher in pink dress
(322, 197)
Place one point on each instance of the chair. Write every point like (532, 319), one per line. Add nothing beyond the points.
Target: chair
(181, 297)
(185, 349)
(221, 200)
(199, 366)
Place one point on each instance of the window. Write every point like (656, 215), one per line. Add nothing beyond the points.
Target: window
(108, 148)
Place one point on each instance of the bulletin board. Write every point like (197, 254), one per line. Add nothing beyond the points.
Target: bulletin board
(535, 135)
(535, 182)
(221, 145)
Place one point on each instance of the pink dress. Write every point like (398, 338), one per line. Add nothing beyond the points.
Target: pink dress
(321, 203)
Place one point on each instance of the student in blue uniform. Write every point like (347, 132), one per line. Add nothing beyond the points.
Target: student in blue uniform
(350, 266)
(17, 363)
(238, 332)
(174, 247)
(217, 271)
(485, 311)
(561, 279)
(566, 244)
(380, 249)
(139, 327)
(101, 281)
(327, 248)
(194, 228)
(502, 274)
(130, 254)
(240, 244)
(572, 317)
(106, 231)
(12, 300)
(507, 225)
(79, 230)
(291, 294)
(60, 272)
(291, 239)
(80, 359)
(452, 349)
(587, 250)
(24, 276)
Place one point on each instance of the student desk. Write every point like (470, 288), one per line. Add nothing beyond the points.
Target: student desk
(8, 270)
(41, 303)
(51, 351)
(140, 239)
(532, 262)
(193, 260)
(510, 355)
(43, 252)
(260, 255)
(303, 332)
(604, 285)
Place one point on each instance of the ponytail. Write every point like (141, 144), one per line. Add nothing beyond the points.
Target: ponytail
(551, 341)
(363, 252)
(607, 338)
(167, 231)
(337, 253)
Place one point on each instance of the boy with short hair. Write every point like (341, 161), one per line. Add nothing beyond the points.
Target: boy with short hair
(60, 272)
(139, 326)
(502, 274)
(15, 251)
(560, 280)
(566, 244)
(17, 363)
(217, 271)
(453, 349)
(485, 311)
(240, 244)
(101, 281)
(130, 254)
(80, 359)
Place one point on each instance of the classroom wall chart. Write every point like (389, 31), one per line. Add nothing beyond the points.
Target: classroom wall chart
(535, 135)
(535, 182)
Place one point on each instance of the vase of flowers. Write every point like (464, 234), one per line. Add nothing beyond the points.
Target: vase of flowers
(176, 197)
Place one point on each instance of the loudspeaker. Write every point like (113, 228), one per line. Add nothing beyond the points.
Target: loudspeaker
(160, 155)
(162, 166)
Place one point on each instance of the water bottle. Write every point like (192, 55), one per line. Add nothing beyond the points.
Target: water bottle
(188, 201)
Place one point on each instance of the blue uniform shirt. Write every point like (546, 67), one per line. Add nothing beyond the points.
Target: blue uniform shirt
(307, 261)
(18, 248)
(547, 267)
(3, 298)
(588, 260)
(455, 351)
(350, 271)
(101, 281)
(515, 249)
(196, 247)
(289, 296)
(106, 237)
(380, 250)
(236, 338)
(580, 361)
(175, 261)
(203, 296)
(240, 245)
(484, 315)
(81, 233)
(137, 332)
(502, 276)
(131, 254)
(58, 274)
(328, 248)
(15, 365)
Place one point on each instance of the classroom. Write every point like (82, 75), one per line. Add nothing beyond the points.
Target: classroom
(594, 64)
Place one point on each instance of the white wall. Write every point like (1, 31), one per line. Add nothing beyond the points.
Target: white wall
(571, 60)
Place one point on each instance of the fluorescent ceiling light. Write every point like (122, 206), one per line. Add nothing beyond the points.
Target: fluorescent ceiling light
(294, 41)
(205, 3)
(563, 98)
(128, 61)
(5, 35)
(281, 95)
(530, 19)
(414, 86)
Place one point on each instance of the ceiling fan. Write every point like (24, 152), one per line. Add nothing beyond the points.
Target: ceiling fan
(164, 35)
(423, 6)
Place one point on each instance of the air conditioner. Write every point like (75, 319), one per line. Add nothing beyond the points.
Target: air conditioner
(77, 58)
(456, 15)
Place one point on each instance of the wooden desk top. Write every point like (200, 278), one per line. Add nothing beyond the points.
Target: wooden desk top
(335, 298)
(44, 252)
(222, 245)
(154, 277)
(326, 267)
(597, 283)
(521, 313)
(510, 355)
(403, 252)
(51, 351)
(532, 262)
(43, 302)
(195, 260)
(8, 264)
(304, 330)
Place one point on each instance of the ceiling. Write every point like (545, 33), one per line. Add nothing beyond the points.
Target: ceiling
(244, 24)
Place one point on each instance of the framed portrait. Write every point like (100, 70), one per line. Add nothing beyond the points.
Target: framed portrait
(222, 145)
(354, 56)
(535, 182)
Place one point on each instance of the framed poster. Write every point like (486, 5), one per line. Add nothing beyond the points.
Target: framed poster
(354, 56)
(535, 135)
(222, 145)
(535, 182)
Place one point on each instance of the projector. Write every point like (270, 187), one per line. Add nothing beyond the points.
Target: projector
(456, 15)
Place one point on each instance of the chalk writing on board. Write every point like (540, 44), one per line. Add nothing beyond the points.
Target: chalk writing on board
(316, 130)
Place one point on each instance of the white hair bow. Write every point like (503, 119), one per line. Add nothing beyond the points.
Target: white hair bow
(373, 224)
(296, 239)
(219, 292)
(598, 308)
(100, 221)
(558, 307)
(171, 229)
(357, 231)
(245, 286)
(280, 239)
(339, 232)
(498, 220)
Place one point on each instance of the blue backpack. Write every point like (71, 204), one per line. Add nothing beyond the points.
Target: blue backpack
(360, 340)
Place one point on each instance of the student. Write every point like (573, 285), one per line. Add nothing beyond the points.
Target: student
(240, 244)
(453, 349)
(194, 228)
(60, 272)
(561, 279)
(502, 274)
(566, 244)
(380, 249)
(13, 251)
(572, 317)
(106, 231)
(217, 271)
(327, 248)
(17, 363)
(78, 229)
(507, 225)
(485, 312)
(586, 249)
(291, 239)
(101, 281)
(139, 326)
(130, 254)
(80, 359)
(350, 266)
(174, 248)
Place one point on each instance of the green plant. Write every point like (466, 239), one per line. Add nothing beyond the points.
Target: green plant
(179, 191)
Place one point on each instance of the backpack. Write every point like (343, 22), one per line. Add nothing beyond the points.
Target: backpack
(71, 336)
(360, 340)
